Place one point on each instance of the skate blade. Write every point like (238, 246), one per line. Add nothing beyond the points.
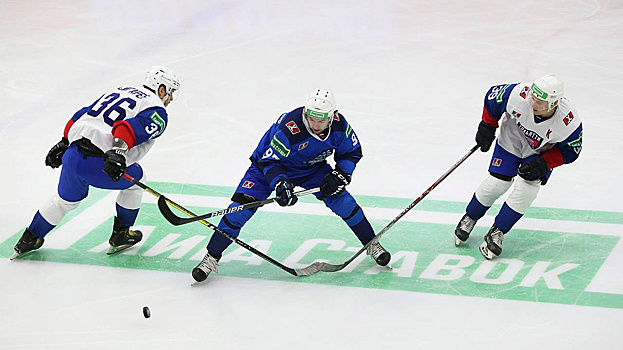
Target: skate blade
(484, 250)
(457, 241)
(113, 250)
(18, 255)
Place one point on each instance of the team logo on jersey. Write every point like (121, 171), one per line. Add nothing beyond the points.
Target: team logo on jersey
(549, 131)
(303, 145)
(516, 114)
(496, 162)
(279, 147)
(533, 138)
(336, 117)
(320, 158)
(294, 129)
(576, 144)
(157, 127)
(497, 93)
(248, 184)
(348, 130)
(567, 120)
(524, 92)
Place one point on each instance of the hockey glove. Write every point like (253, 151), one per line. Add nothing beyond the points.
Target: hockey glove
(485, 136)
(115, 164)
(285, 191)
(534, 169)
(334, 183)
(54, 159)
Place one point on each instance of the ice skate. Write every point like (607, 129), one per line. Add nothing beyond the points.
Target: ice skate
(380, 255)
(463, 229)
(492, 246)
(122, 238)
(28, 242)
(207, 265)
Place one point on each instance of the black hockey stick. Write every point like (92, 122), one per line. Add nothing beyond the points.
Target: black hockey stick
(176, 220)
(326, 267)
(216, 229)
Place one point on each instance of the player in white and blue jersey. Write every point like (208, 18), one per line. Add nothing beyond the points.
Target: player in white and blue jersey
(539, 131)
(293, 152)
(100, 143)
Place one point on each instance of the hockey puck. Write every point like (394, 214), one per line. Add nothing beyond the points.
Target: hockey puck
(146, 312)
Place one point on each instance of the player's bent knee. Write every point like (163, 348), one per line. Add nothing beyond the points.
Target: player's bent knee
(491, 189)
(523, 194)
(56, 208)
(243, 198)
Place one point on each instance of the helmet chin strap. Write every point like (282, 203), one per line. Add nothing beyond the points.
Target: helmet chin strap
(165, 98)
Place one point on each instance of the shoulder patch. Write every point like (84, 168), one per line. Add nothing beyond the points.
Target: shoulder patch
(158, 120)
(567, 119)
(279, 147)
(577, 142)
(348, 130)
(294, 129)
(499, 99)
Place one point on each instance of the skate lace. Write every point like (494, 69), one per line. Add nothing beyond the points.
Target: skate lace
(497, 237)
(375, 250)
(467, 224)
(208, 264)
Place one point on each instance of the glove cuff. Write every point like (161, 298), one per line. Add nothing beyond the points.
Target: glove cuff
(120, 147)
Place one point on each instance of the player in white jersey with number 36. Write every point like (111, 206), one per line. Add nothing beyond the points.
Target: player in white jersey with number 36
(539, 131)
(100, 143)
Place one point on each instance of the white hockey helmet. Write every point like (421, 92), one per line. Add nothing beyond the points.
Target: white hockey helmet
(161, 75)
(320, 104)
(548, 88)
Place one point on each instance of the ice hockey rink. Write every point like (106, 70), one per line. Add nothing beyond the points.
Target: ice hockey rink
(410, 76)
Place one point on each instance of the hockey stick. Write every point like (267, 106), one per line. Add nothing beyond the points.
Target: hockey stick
(326, 267)
(211, 226)
(176, 220)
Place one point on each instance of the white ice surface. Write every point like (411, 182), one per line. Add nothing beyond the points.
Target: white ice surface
(409, 75)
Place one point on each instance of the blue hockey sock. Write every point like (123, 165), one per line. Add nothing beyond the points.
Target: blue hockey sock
(363, 230)
(506, 218)
(475, 210)
(40, 226)
(127, 216)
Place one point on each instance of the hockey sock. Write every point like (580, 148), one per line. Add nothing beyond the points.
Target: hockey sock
(475, 210)
(231, 225)
(127, 216)
(506, 218)
(40, 226)
(363, 230)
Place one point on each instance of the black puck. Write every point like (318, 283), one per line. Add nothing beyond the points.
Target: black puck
(146, 312)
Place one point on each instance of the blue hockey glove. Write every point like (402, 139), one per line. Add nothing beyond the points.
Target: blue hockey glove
(334, 183)
(285, 191)
(534, 169)
(54, 159)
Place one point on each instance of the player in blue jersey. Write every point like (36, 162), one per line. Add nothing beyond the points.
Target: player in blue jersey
(539, 131)
(292, 153)
(100, 143)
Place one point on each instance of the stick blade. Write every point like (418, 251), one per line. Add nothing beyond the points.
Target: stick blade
(317, 267)
(168, 213)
